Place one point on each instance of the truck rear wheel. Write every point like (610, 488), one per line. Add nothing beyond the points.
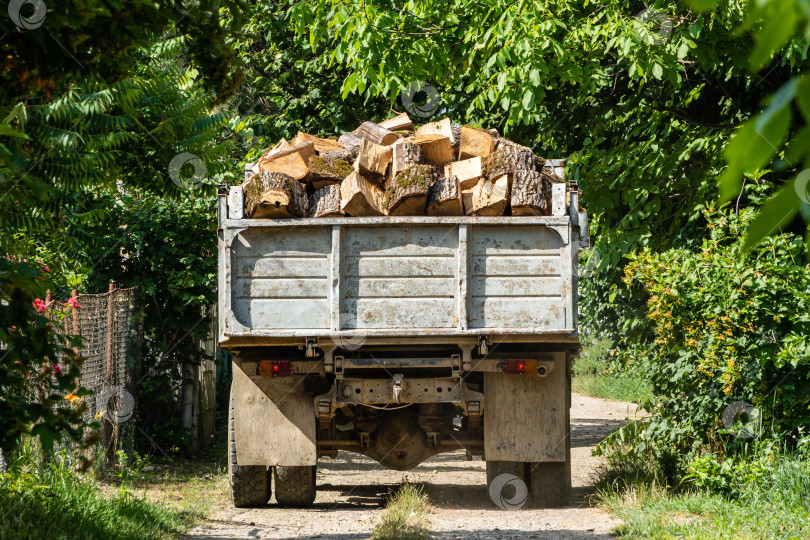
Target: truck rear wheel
(295, 486)
(250, 484)
(550, 484)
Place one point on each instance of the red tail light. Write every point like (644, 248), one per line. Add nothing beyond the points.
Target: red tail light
(275, 368)
(514, 366)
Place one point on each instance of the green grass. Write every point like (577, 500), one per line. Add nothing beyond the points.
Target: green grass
(406, 516)
(777, 506)
(592, 377)
(53, 501)
(59, 503)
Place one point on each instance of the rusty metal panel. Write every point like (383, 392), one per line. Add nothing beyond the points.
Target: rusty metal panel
(400, 277)
(420, 276)
(280, 278)
(516, 278)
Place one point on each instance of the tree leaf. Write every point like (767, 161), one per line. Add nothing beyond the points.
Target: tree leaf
(777, 212)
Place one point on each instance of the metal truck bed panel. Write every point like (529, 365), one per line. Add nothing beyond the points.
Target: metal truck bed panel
(397, 276)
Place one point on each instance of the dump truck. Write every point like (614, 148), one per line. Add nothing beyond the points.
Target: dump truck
(399, 338)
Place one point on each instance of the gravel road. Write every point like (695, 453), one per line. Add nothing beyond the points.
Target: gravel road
(352, 492)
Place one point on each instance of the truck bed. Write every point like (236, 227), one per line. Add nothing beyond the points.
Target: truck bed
(396, 277)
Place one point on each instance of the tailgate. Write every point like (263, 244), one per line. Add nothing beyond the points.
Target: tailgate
(397, 276)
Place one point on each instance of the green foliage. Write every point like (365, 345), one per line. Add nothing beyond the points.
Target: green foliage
(38, 367)
(103, 41)
(288, 86)
(723, 328)
(167, 247)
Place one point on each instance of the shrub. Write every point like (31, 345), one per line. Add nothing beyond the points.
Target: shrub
(725, 327)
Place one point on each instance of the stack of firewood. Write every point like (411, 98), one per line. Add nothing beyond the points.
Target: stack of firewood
(390, 169)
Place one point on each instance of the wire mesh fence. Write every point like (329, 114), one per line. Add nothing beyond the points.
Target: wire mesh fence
(111, 327)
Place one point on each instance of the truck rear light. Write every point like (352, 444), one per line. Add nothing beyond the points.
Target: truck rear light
(275, 368)
(520, 366)
(514, 366)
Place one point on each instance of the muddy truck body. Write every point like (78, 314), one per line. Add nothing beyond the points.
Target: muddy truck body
(399, 338)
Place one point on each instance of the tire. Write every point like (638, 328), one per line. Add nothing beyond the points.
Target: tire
(550, 485)
(295, 486)
(250, 484)
(505, 497)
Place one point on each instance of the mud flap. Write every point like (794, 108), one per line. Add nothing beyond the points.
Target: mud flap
(275, 421)
(526, 417)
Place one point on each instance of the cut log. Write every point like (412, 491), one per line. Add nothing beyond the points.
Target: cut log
(444, 198)
(475, 142)
(327, 170)
(490, 197)
(467, 171)
(325, 202)
(400, 122)
(442, 127)
(292, 161)
(360, 197)
(375, 133)
(467, 200)
(373, 160)
(321, 145)
(405, 155)
(350, 140)
(346, 154)
(436, 148)
(508, 159)
(456, 138)
(406, 195)
(272, 194)
(531, 194)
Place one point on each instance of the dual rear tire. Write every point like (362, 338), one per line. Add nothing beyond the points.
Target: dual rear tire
(251, 484)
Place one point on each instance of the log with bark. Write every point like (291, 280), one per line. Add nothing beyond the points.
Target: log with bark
(507, 159)
(531, 194)
(373, 159)
(490, 197)
(475, 142)
(325, 202)
(400, 122)
(360, 197)
(325, 170)
(272, 194)
(405, 155)
(406, 194)
(467, 171)
(444, 198)
(346, 154)
(376, 133)
(292, 161)
(350, 140)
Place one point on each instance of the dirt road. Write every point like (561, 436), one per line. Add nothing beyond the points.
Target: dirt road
(352, 492)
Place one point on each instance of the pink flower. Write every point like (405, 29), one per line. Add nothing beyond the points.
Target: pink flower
(57, 369)
(46, 268)
(39, 304)
(72, 302)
